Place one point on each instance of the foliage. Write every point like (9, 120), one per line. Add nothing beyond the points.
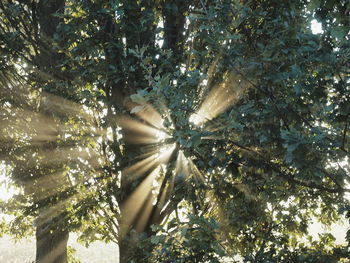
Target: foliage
(72, 258)
(254, 105)
(192, 241)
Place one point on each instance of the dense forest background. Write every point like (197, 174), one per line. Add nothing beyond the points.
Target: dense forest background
(180, 131)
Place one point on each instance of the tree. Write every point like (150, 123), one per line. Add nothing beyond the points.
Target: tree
(213, 122)
(41, 157)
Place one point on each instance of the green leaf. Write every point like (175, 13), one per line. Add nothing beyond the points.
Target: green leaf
(313, 4)
(339, 32)
(155, 239)
(196, 140)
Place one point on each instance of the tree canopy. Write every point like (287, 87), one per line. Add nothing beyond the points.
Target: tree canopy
(184, 131)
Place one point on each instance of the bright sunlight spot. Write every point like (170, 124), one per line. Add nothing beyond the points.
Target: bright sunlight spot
(196, 119)
(316, 27)
(161, 135)
(166, 151)
(6, 191)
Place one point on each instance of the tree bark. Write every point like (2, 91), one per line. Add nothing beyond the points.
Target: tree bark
(51, 244)
(51, 235)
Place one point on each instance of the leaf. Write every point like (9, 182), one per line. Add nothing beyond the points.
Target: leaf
(339, 32)
(184, 231)
(297, 88)
(314, 4)
(155, 239)
(293, 147)
(295, 70)
(196, 140)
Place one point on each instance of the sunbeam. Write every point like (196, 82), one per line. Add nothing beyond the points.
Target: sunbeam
(146, 130)
(131, 207)
(221, 97)
(54, 157)
(161, 135)
(198, 175)
(152, 150)
(136, 170)
(65, 107)
(145, 212)
(137, 132)
(48, 213)
(165, 152)
(150, 115)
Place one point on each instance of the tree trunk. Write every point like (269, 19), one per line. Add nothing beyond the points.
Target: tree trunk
(124, 251)
(51, 235)
(118, 95)
(51, 244)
